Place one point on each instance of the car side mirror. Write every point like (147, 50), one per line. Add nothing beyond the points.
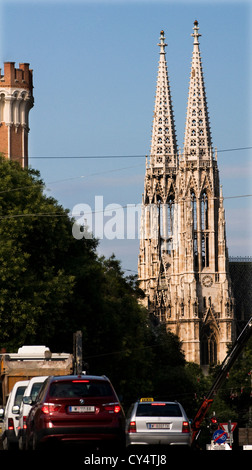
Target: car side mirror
(15, 409)
(1, 414)
(27, 400)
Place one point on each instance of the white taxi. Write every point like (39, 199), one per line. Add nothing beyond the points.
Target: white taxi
(152, 422)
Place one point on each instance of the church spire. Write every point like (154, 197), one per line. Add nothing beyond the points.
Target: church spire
(197, 141)
(163, 143)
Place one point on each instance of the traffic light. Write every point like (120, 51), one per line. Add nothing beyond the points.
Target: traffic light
(214, 425)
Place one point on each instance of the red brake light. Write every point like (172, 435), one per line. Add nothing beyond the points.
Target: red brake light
(113, 407)
(158, 404)
(185, 426)
(132, 426)
(80, 381)
(10, 424)
(24, 422)
(48, 408)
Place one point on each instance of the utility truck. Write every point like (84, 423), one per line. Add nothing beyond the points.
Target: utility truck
(31, 361)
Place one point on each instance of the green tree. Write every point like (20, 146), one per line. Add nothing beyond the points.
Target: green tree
(36, 283)
(234, 400)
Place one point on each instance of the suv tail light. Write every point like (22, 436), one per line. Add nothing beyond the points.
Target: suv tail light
(185, 426)
(24, 422)
(132, 426)
(10, 424)
(48, 408)
(112, 407)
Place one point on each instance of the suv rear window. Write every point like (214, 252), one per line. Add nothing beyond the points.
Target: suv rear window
(153, 409)
(80, 388)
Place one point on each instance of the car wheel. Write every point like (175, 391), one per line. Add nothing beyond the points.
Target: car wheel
(20, 443)
(7, 445)
(35, 443)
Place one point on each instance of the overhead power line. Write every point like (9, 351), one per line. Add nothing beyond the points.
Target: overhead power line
(69, 214)
(125, 156)
(93, 157)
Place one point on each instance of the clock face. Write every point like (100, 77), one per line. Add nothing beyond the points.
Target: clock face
(207, 281)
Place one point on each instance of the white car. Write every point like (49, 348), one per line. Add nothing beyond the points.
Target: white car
(11, 415)
(29, 397)
(152, 422)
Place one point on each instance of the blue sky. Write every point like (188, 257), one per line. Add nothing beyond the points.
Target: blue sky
(95, 68)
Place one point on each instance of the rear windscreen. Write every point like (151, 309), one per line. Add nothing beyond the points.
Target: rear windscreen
(76, 389)
(153, 409)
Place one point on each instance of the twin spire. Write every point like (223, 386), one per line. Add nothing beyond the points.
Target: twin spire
(164, 143)
(197, 141)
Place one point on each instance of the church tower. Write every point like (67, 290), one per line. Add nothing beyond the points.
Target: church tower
(16, 100)
(183, 259)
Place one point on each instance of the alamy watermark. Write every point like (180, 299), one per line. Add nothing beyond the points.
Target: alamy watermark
(113, 221)
(132, 221)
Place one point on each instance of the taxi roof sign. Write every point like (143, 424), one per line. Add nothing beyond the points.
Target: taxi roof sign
(146, 399)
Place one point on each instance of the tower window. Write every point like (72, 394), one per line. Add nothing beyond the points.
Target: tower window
(204, 212)
(205, 250)
(204, 233)
(195, 235)
(208, 347)
(170, 215)
(194, 210)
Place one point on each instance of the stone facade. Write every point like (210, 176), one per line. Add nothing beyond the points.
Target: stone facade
(183, 259)
(16, 100)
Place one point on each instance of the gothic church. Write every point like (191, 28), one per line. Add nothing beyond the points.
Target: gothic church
(183, 258)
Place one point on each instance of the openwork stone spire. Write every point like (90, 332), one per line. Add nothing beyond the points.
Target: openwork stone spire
(163, 144)
(197, 143)
(183, 257)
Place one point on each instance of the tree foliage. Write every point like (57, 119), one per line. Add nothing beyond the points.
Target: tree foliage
(234, 400)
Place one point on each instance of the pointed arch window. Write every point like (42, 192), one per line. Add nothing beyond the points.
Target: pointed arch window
(170, 221)
(194, 219)
(208, 347)
(204, 212)
(170, 218)
(204, 231)
(194, 210)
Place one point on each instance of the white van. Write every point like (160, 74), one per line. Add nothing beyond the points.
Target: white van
(11, 415)
(28, 399)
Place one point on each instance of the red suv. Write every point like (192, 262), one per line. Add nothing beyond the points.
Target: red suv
(76, 408)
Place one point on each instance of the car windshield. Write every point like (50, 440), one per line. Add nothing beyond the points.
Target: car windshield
(80, 388)
(158, 409)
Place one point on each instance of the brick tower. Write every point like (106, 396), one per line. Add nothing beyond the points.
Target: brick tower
(183, 259)
(16, 100)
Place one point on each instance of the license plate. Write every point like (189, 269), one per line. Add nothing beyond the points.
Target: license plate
(159, 425)
(81, 409)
